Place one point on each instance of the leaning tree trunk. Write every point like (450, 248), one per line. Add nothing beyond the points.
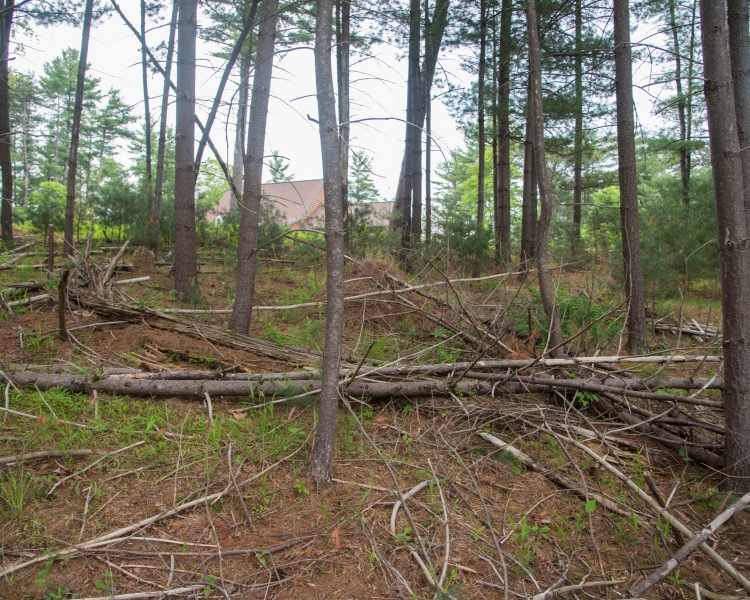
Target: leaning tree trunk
(480, 127)
(185, 238)
(147, 111)
(734, 249)
(322, 457)
(75, 131)
(6, 140)
(739, 47)
(529, 201)
(343, 25)
(155, 221)
(631, 239)
(251, 195)
(542, 251)
(502, 213)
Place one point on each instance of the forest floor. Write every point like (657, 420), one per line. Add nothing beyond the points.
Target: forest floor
(134, 471)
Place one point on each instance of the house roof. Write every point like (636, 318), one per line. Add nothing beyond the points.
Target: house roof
(292, 199)
(301, 203)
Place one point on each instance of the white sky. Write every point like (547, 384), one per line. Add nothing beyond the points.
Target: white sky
(378, 92)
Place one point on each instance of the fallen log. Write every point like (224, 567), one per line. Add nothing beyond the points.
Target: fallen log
(32, 300)
(122, 384)
(9, 264)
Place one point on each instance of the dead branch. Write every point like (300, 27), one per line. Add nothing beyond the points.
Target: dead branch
(32, 456)
(678, 557)
(562, 480)
(62, 296)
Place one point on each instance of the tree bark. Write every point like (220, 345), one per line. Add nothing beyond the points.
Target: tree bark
(185, 238)
(578, 140)
(75, 130)
(529, 203)
(155, 222)
(321, 461)
(51, 248)
(542, 251)
(480, 127)
(251, 195)
(147, 111)
(502, 212)
(6, 139)
(739, 48)
(631, 241)
(343, 25)
(732, 238)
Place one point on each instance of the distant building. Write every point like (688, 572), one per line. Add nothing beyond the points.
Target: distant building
(300, 204)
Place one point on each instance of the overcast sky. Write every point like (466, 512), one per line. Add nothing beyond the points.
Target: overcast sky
(378, 94)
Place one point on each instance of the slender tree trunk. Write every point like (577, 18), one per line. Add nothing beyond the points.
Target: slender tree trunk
(631, 240)
(529, 202)
(502, 216)
(343, 23)
(147, 112)
(251, 196)
(155, 222)
(734, 249)
(322, 458)
(6, 139)
(428, 169)
(739, 48)
(681, 105)
(185, 238)
(542, 251)
(75, 131)
(239, 135)
(247, 28)
(578, 141)
(25, 146)
(481, 133)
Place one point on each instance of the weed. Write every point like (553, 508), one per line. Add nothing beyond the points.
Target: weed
(14, 486)
(173, 295)
(43, 581)
(301, 487)
(404, 536)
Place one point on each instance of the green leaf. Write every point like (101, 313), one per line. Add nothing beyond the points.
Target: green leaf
(591, 506)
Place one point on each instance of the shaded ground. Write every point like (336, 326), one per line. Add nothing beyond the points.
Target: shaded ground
(484, 520)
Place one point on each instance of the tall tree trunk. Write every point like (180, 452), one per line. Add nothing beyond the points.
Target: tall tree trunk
(251, 195)
(6, 140)
(734, 250)
(739, 48)
(75, 131)
(542, 251)
(529, 202)
(185, 238)
(681, 105)
(406, 181)
(239, 135)
(480, 126)
(322, 457)
(402, 215)
(428, 169)
(155, 222)
(631, 239)
(502, 215)
(147, 111)
(343, 24)
(578, 141)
